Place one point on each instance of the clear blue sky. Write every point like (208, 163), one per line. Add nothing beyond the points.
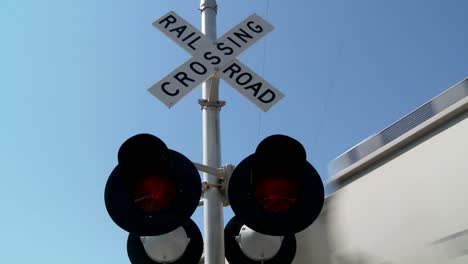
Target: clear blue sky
(73, 80)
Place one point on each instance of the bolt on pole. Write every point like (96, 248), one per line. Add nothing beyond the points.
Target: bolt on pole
(211, 106)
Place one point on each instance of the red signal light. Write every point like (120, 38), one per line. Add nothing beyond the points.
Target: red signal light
(153, 193)
(276, 193)
(153, 190)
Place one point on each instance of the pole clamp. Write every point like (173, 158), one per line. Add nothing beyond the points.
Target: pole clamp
(205, 103)
(224, 174)
(205, 6)
(207, 185)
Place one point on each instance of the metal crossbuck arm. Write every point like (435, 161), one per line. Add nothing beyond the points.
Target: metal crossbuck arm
(214, 58)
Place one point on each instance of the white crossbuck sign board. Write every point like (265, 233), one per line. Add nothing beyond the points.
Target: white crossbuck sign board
(211, 58)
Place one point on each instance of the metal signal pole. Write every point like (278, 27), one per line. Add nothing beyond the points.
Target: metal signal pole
(211, 106)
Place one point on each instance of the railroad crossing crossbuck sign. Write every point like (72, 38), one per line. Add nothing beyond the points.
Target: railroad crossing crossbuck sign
(210, 58)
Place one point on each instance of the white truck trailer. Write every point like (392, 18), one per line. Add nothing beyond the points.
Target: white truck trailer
(402, 194)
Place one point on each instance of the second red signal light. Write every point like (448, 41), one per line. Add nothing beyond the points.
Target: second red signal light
(275, 191)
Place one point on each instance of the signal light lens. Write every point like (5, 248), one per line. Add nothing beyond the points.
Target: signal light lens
(153, 190)
(153, 193)
(276, 193)
(138, 255)
(235, 255)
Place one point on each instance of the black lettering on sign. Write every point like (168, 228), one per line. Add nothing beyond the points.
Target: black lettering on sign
(163, 88)
(200, 69)
(256, 87)
(256, 29)
(170, 19)
(189, 36)
(209, 58)
(220, 46)
(246, 80)
(267, 93)
(235, 43)
(182, 77)
(243, 35)
(192, 42)
(234, 68)
(180, 30)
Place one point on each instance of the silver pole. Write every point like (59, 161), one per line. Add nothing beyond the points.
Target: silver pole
(211, 106)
